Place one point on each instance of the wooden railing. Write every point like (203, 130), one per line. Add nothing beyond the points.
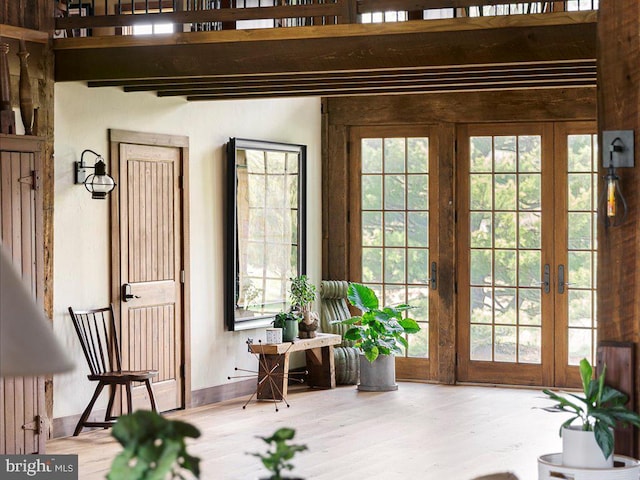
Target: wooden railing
(118, 17)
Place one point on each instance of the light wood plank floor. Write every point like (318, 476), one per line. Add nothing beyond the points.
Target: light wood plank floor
(419, 432)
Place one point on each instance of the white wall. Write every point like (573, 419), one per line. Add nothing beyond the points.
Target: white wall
(81, 229)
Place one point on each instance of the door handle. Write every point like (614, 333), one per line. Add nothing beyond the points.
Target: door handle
(126, 293)
(433, 281)
(561, 283)
(546, 279)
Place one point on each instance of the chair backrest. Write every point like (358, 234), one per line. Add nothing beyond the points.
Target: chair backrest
(333, 294)
(96, 331)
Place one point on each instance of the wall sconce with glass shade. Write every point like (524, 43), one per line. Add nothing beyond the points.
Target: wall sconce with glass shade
(617, 152)
(99, 183)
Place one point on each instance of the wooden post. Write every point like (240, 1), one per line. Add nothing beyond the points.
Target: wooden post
(7, 116)
(618, 308)
(24, 93)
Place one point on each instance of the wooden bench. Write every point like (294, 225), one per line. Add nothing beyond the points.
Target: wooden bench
(274, 360)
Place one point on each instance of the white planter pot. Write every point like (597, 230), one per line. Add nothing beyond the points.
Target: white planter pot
(379, 376)
(579, 449)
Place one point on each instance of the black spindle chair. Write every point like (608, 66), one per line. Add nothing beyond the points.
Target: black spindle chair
(96, 330)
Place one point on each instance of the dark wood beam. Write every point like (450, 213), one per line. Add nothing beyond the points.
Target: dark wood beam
(336, 48)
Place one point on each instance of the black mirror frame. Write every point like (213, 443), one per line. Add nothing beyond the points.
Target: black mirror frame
(231, 247)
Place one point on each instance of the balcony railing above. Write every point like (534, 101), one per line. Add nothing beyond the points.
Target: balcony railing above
(126, 17)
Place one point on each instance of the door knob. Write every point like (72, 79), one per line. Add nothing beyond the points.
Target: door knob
(126, 293)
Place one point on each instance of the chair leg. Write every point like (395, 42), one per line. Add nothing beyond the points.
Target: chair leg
(152, 399)
(87, 411)
(129, 401)
(108, 416)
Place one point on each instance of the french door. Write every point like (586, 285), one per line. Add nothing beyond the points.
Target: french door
(526, 202)
(391, 227)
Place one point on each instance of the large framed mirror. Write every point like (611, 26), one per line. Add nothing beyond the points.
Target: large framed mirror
(266, 229)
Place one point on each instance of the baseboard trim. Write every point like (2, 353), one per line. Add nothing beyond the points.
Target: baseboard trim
(64, 426)
(220, 393)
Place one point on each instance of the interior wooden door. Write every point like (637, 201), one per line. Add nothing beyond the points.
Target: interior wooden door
(151, 295)
(22, 399)
(391, 229)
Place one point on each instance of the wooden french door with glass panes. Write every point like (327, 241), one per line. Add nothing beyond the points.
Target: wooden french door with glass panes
(527, 200)
(391, 228)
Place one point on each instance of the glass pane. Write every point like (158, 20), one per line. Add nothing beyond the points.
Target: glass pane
(418, 229)
(372, 265)
(529, 192)
(418, 192)
(394, 295)
(481, 267)
(480, 229)
(579, 152)
(394, 229)
(372, 229)
(371, 155)
(529, 159)
(506, 267)
(579, 231)
(505, 230)
(505, 344)
(480, 154)
(529, 268)
(394, 155)
(505, 192)
(371, 192)
(417, 265)
(418, 298)
(394, 192)
(480, 192)
(418, 155)
(481, 342)
(505, 154)
(529, 230)
(580, 270)
(529, 345)
(419, 342)
(530, 309)
(580, 308)
(579, 345)
(580, 193)
(481, 305)
(505, 306)
(394, 265)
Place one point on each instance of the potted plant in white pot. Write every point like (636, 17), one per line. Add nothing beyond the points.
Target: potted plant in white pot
(587, 436)
(378, 333)
(303, 293)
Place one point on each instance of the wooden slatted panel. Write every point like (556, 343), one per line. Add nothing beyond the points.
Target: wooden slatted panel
(151, 238)
(21, 398)
(152, 332)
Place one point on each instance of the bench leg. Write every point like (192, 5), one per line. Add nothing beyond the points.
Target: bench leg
(272, 376)
(321, 367)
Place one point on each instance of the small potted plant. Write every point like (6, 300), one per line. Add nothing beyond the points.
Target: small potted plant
(302, 294)
(589, 442)
(288, 321)
(280, 452)
(378, 333)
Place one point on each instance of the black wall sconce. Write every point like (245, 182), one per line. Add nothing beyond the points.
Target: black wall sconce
(99, 183)
(617, 153)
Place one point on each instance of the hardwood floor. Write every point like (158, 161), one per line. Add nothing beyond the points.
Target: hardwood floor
(418, 432)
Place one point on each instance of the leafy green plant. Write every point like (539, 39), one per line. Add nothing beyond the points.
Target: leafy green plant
(154, 447)
(281, 318)
(599, 410)
(377, 331)
(302, 293)
(280, 452)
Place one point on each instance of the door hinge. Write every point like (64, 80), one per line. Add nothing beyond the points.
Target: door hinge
(37, 425)
(32, 179)
(348, 148)
(182, 276)
(181, 182)
(455, 146)
(182, 371)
